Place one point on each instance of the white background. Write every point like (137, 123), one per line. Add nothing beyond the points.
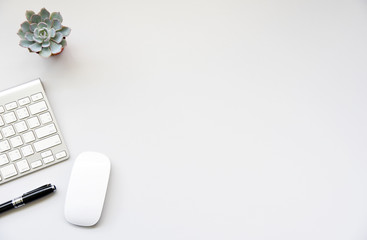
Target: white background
(222, 119)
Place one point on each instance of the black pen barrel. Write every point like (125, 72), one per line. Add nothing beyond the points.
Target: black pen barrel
(6, 206)
(34, 195)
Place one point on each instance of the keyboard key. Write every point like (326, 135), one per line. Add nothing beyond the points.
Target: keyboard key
(24, 101)
(45, 118)
(27, 150)
(60, 154)
(8, 171)
(11, 106)
(16, 141)
(14, 155)
(4, 146)
(23, 166)
(22, 113)
(28, 137)
(48, 159)
(36, 97)
(36, 164)
(10, 117)
(1, 121)
(8, 131)
(45, 131)
(2, 109)
(47, 143)
(33, 122)
(3, 159)
(46, 154)
(21, 126)
(38, 107)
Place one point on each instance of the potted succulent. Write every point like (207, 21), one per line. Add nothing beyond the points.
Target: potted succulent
(43, 33)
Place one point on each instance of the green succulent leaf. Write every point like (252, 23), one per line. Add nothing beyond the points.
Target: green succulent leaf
(63, 43)
(29, 36)
(33, 27)
(55, 47)
(56, 15)
(36, 18)
(25, 26)
(45, 52)
(58, 38)
(41, 25)
(46, 44)
(28, 14)
(56, 24)
(25, 43)
(65, 31)
(48, 22)
(44, 13)
(37, 39)
(35, 47)
(52, 32)
(21, 34)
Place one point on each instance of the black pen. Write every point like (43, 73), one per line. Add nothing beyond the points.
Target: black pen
(27, 197)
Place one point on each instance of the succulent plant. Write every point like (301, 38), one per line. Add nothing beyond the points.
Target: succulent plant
(43, 33)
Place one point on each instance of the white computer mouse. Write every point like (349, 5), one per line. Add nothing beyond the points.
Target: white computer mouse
(87, 188)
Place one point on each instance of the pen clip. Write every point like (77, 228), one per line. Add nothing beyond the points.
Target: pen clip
(37, 189)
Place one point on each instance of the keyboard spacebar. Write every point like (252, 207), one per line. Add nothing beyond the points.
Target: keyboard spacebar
(47, 143)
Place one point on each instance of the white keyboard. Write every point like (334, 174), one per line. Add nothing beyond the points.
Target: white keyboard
(30, 138)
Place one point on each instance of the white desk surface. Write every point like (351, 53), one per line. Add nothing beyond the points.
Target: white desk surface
(222, 119)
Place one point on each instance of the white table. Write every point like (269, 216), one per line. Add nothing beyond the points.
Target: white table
(222, 119)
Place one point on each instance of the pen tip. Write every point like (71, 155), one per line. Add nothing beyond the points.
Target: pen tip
(53, 187)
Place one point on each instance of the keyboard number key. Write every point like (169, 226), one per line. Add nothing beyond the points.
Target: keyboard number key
(23, 166)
